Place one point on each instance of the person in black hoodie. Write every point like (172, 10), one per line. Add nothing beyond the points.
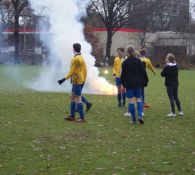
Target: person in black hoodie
(133, 78)
(170, 72)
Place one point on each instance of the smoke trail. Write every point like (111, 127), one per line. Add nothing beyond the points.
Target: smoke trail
(66, 29)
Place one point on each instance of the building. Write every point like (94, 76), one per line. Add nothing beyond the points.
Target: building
(122, 38)
(157, 44)
(31, 49)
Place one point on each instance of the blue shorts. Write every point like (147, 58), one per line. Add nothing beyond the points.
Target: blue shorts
(137, 92)
(77, 89)
(118, 81)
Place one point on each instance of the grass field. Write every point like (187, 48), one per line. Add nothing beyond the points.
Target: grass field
(35, 140)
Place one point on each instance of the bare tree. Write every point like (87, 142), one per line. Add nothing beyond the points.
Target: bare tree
(18, 6)
(11, 12)
(170, 15)
(162, 19)
(6, 14)
(115, 14)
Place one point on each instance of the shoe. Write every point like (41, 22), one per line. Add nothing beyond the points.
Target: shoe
(141, 121)
(69, 118)
(124, 103)
(171, 115)
(89, 105)
(127, 114)
(181, 113)
(80, 120)
(146, 106)
(119, 105)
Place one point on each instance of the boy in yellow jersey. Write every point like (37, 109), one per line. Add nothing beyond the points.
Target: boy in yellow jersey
(148, 65)
(78, 75)
(117, 73)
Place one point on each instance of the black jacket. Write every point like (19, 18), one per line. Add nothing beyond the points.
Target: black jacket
(133, 73)
(170, 72)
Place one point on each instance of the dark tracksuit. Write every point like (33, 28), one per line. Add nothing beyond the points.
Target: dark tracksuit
(170, 72)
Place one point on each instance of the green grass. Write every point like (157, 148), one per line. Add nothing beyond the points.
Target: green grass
(35, 140)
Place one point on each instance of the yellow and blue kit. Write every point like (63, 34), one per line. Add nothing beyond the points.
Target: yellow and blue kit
(117, 69)
(117, 66)
(148, 64)
(78, 70)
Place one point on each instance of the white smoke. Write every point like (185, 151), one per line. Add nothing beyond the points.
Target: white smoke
(66, 29)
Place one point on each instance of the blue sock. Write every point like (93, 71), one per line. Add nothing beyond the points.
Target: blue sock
(72, 109)
(124, 97)
(132, 111)
(140, 109)
(80, 110)
(143, 96)
(119, 98)
(84, 100)
(142, 101)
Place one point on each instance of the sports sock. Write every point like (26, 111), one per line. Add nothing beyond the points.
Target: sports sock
(143, 96)
(80, 110)
(140, 109)
(132, 111)
(119, 99)
(72, 109)
(124, 97)
(84, 100)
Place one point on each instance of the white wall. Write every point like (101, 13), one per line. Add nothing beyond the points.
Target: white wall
(120, 39)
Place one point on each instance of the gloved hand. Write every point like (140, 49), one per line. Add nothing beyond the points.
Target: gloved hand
(61, 81)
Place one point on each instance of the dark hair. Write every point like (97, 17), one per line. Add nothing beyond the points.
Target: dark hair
(77, 47)
(121, 49)
(131, 51)
(143, 52)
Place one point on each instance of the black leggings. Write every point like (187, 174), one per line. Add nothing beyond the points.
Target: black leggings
(173, 97)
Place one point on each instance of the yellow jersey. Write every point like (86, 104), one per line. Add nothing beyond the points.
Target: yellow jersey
(117, 66)
(148, 64)
(78, 70)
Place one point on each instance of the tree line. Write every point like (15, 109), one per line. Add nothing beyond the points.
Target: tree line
(153, 15)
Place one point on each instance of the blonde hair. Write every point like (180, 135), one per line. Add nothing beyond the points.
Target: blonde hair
(171, 58)
(137, 54)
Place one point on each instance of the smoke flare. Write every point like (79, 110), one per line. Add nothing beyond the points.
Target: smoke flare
(66, 29)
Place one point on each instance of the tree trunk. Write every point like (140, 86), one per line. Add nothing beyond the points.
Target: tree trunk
(16, 38)
(108, 44)
(143, 39)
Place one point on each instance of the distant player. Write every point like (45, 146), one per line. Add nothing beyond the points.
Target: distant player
(121, 96)
(148, 65)
(78, 74)
(133, 78)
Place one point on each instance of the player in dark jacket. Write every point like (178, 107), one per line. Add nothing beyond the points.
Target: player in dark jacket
(170, 72)
(133, 78)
